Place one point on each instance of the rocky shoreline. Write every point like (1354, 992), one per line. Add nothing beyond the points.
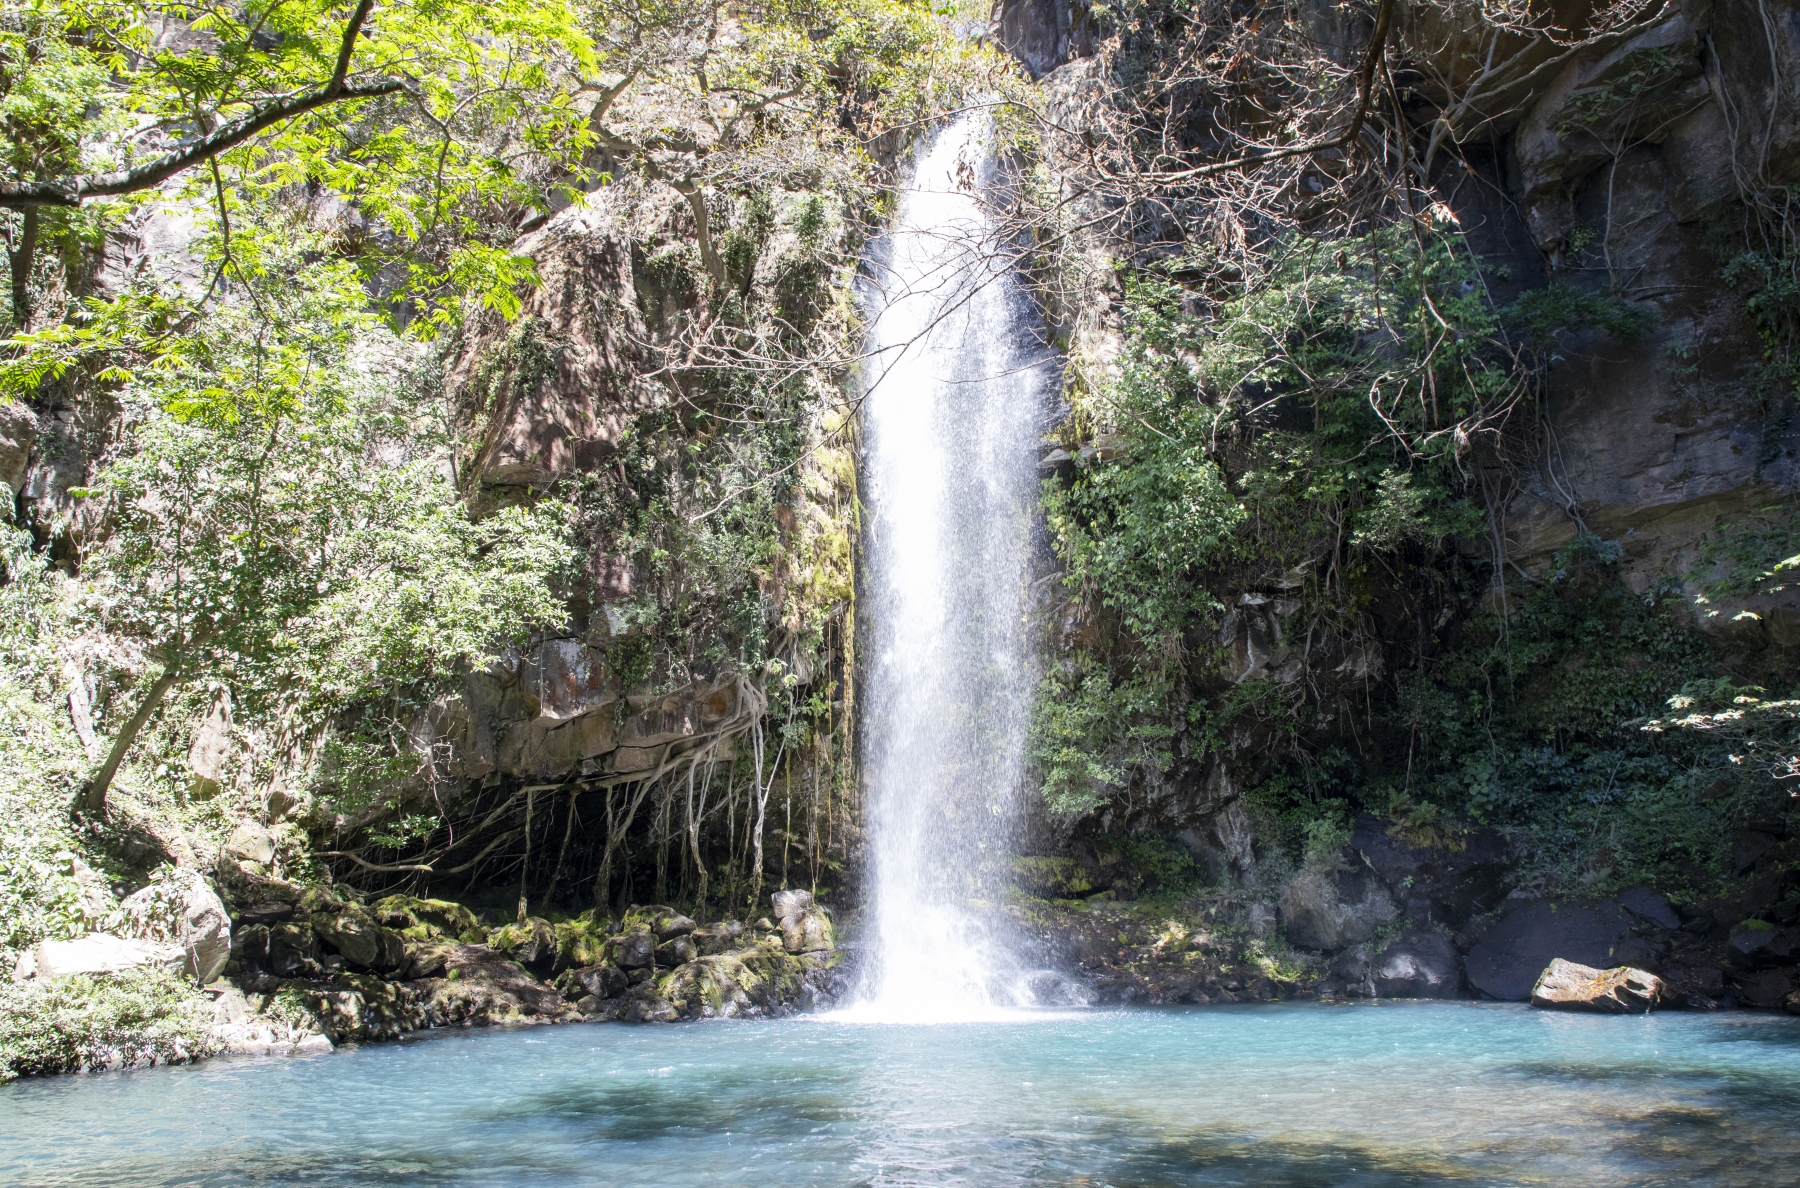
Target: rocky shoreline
(307, 969)
(1385, 918)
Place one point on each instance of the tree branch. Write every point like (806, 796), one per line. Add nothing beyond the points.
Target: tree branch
(70, 191)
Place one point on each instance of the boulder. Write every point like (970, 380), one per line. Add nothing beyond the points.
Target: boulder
(805, 928)
(480, 987)
(790, 904)
(1260, 919)
(636, 950)
(286, 949)
(250, 842)
(1418, 965)
(1327, 910)
(678, 951)
(427, 960)
(95, 953)
(533, 944)
(355, 933)
(1567, 986)
(1650, 907)
(717, 938)
(1505, 963)
(596, 981)
(1767, 990)
(179, 907)
(430, 919)
(672, 925)
(1757, 944)
(579, 943)
(1442, 884)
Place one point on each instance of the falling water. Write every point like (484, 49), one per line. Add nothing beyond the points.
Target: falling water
(954, 404)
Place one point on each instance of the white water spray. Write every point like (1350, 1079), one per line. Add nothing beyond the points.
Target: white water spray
(954, 407)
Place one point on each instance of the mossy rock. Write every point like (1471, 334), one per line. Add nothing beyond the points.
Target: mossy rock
(580, 943)
(532, 944)
(431, 919)
(320, 901)
(1052, 878)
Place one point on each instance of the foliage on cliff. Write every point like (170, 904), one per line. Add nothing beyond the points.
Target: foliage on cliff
(1300, 404)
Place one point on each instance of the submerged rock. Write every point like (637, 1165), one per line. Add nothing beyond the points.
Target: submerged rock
(1566, 986)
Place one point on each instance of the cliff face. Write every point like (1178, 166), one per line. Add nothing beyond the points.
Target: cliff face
(1503, 672)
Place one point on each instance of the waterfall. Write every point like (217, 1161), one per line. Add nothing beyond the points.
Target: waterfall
(954, 406)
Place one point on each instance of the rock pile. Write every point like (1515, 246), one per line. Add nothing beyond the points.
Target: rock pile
(366, 972)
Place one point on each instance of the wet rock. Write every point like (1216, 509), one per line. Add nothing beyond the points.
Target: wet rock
(1767, 990)
(1568, 986)
(757, 981)
(1326, 911)
(354, 933)
(676, 952)
(1506, 962)
(180, 907)
(672, 925)
(1418, 965)
(718, 938)
(636, 950)
(533, 944)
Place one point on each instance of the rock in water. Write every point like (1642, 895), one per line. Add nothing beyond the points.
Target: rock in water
(1566, 986)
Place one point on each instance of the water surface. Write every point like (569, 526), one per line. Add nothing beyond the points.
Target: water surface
(1286, 1095)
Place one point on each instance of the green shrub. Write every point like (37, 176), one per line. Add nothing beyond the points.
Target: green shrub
(146, 1016)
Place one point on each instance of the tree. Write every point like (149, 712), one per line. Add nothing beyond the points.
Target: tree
(416, 111)
(284, 510)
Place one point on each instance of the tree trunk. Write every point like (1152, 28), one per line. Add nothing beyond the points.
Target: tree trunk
(21, 259)
(92, 800)
(525, 867)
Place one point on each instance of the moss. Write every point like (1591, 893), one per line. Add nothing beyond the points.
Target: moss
(430, 919)
(81, 1022)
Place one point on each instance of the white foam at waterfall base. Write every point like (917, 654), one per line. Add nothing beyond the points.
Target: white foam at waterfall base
(954, 403)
